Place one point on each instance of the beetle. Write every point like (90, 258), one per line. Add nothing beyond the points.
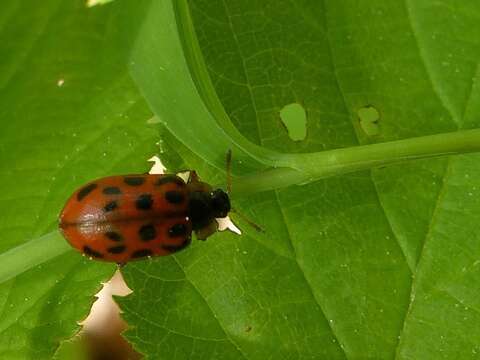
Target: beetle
(130, 217)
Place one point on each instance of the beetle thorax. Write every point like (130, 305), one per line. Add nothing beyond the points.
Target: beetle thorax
(204, 207)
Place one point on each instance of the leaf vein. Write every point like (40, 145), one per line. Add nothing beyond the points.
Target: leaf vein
(309, 286)
(210, 308)
(428, 235)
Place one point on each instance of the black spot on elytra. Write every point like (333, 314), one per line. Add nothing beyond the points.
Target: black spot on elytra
(175, 248)
(90, 252)
(174, 197)
(85, 191)
(147, 232)
(112, 205)
(116, 249)
(142, 253)
(112, 190)
(112, 235)
(169, 179)
(134, 180)
(144, 202)
(177, 230)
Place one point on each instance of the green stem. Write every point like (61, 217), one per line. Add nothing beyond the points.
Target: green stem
(305, 168)
(302, 168)
(30, 254)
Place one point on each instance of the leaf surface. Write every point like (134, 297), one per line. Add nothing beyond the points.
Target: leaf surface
(378, 264)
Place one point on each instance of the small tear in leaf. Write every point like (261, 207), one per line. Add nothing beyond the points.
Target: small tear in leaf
(91, 3)
(157, 167)
(227, 224)
(184, 175)
(369, 118)
(104, 308)
(60, 82)
(103, 326)
(294, 118)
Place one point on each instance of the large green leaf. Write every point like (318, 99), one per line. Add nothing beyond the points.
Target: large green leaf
(377, 264)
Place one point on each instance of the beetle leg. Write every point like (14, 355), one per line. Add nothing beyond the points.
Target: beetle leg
(206, 231)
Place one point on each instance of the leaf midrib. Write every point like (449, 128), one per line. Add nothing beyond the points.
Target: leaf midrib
(227, 335)
(442, 191)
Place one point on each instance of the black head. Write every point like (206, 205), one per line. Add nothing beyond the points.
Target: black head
(204, 207)
(220, 203)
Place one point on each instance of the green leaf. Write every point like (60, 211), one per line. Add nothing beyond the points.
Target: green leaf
(377, 264)
(69, 112)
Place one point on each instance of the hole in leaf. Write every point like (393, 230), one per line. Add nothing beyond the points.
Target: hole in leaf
(102, 328)
(157, 167)
(227, 224)
(294, 118)
(369, 118)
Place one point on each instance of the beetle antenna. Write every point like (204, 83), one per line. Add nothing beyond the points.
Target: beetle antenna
(247, 220)
(229, 171)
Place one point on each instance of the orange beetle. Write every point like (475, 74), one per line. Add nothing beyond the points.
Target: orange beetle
(123, 218)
